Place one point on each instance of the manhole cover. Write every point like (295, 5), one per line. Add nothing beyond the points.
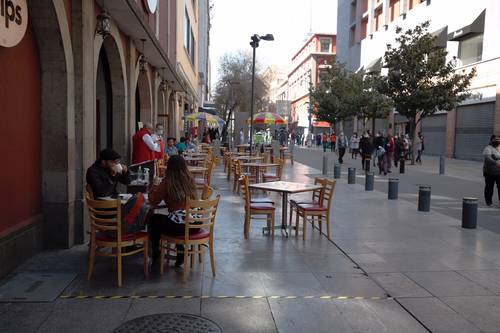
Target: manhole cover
(170, 323)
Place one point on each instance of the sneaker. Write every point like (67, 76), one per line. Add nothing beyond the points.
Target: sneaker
(489, 205)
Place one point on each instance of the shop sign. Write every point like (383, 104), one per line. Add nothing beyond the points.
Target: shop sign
(13, 22)
(151, 5)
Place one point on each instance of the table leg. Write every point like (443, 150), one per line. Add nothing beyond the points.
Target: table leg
(257, 172)
(284, 208)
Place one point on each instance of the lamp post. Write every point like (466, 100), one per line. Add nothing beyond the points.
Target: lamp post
(255, 44)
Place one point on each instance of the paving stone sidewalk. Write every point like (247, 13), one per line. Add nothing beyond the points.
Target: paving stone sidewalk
(388, 268)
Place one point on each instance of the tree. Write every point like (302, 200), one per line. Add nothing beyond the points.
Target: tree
(420, 81)
(375, 105)
(338, 95)
(232, 90)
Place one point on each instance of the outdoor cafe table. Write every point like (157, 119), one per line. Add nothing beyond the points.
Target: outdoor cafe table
(196, 169)
(257, 167)
(250, 158)
(285, 188)
(193, 160)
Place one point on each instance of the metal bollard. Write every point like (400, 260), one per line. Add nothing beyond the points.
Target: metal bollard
(351, 176)
(369, 181)
(424, 199)
(469, 213)
(441, 165)
(393, 191)
(325, 164)
(402, 165)
(336, 171)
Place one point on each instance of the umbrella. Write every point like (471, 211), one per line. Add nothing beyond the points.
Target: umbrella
(209, 118)
(269, 118)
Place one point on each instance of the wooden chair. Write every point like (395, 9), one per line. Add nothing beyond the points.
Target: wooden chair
(273, 177)
(207, 192)
(237, 175)
(316, 211)
(200, 182)
(106, 233)
(200, 214)
(89, 192)
(317, 196)
(256, 210)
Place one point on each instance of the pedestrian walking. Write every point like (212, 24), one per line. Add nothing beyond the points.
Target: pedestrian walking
(389, 156)
(397, 149)
(366, 150)
(420, 147)
(342, 144)
(333, 141)
(380, 153)
(324, 141)
(491, 169)
(242, 136)
(354, 145)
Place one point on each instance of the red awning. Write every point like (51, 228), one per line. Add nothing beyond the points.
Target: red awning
(321, 124)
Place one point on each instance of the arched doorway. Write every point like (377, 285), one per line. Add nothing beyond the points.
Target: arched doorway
(110, 99)
(104, 104)
(162, 112)
(143, 108)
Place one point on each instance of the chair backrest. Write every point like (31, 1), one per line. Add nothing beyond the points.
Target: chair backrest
(208, 173)
(201, 214)
(328, 192)
(245, 190)
(237, 168)
(89, 193)
(279, 168)
(105, 215)
(207, 192)
(317, 195)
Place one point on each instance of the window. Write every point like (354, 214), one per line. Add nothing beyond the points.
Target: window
(414, 3)
(470, 50)
(364, 28)
(364, 6)
(353, 11)
(325, 45)
(377, 19)
(394, 9)
(352, 36)
(189, 42)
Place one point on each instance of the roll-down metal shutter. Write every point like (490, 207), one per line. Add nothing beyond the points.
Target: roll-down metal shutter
(473, 129)
(434, 131)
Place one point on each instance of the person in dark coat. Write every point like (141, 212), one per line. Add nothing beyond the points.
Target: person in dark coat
(103, 176)
(366, 149)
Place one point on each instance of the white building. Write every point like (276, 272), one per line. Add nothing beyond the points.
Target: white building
(468, 29)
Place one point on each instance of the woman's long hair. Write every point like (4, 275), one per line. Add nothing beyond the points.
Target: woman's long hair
(180, 182)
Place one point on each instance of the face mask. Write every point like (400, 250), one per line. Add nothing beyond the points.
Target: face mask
(117, 168)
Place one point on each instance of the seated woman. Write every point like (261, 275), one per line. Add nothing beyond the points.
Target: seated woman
(176, 187)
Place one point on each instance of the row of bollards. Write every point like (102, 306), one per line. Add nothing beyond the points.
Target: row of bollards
(469, 205)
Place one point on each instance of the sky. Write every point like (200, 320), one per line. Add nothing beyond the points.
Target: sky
(234, 21)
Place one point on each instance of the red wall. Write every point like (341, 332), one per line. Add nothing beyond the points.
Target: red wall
(20, 147)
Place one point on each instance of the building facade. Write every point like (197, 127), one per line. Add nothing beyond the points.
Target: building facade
(467, 29)
(69, 92)
(307, 65)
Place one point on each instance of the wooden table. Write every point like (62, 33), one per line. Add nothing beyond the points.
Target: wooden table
(196, 169)
(194, 160)
(250, 158)
(285, 188)
(257, 167)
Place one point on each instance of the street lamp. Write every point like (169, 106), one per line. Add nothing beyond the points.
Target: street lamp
(255, 44)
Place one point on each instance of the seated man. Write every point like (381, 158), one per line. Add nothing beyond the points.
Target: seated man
(103, 176)
(170, 148)
(181, 146)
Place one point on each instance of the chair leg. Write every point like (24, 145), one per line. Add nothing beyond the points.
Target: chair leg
(271, 219)
(297, 222)
(327, 219)
(119, 259)
(291, 213)
(146, 257)
(200, 254)
(320, 222)
(186, 266)
(304, 226)
(162, 256)
(92, 249)
(193, 254)
(212, 257)
(246, 226)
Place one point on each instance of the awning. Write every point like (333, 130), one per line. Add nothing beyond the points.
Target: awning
(441, 37)
(207, 109)
(375, 66)
(476, 27)
(321, 124)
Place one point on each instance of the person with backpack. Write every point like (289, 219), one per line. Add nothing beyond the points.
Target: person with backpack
(342, 144)
(380, 152)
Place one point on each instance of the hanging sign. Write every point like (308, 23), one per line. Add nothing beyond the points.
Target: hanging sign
(13, 22)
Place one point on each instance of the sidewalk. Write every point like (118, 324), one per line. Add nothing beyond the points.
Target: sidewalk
(388, 269)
